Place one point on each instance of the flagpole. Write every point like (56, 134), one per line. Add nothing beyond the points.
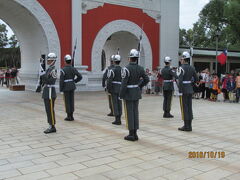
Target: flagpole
(227, 58)
(216, 63)
(73, 53)
(140, 44)
(218, 33)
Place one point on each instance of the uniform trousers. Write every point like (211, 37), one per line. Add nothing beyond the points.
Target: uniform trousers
(117, 105)
(132, 114)
(186, 108)
(49, 107)
(69, 101)
(110, 102)
(167, 102)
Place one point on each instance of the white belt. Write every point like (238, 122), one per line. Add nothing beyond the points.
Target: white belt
(68, 80)
(50, 86)
(187, 82)
(132, 86)
(167, 80)
(116, 82)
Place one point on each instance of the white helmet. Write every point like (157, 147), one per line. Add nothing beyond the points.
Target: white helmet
(117, 57)
(67, 58)
(185, 55)
(167, 59)
(52, 56)
(112, 58)
(134, 53)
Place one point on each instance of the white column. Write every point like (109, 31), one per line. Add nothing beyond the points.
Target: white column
(169, 31)
(77, 30)
(77, 37)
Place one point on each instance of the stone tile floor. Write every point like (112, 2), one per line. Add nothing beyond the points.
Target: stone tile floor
(92, 148)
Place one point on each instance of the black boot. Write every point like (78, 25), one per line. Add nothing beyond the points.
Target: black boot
(169, 115)
(71, 117)
(165, 114)
(51, 129)
(131, 136)
(110, 114)
(189, 127)
(186, 127)
(68, 118)
(181, 128)
(135, 134)
(117, 120)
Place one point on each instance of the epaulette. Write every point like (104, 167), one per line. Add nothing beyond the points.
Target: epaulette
(125, 72)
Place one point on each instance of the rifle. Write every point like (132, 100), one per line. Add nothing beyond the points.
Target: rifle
(42, 69)
(140, 43)
(118, 51)
(73, 54)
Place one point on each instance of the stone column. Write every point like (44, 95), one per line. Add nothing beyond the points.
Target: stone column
(77, 41)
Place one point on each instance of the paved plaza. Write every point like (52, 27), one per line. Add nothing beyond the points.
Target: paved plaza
(92, 148)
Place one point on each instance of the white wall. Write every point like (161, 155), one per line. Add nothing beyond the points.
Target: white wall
(169, 30)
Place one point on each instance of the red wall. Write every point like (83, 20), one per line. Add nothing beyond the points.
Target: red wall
(95, 19)
(61, 13)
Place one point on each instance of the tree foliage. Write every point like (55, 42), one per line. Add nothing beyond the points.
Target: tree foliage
(9, 49)
(3, 36)
(217, 16)
(10, 57)
(13, 42)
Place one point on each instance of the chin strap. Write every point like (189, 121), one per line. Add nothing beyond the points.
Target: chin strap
(52, 63)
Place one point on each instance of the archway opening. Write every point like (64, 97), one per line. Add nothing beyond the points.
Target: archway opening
(10, 55)
(31, 37)
(122, 34)
(122, 41)
(35, 32)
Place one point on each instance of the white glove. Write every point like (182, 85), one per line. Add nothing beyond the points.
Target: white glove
(42, 73)
(180, 94)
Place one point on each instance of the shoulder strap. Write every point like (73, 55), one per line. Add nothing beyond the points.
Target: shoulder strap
(62, 71)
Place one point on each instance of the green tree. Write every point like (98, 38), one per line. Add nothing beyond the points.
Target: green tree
(3, 36)
(217, 16)
(212, 15)
(13, 42)
(232, 14)
(9, 49)
(211, 21)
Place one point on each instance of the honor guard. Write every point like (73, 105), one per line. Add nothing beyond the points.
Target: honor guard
(104, 79)
(68, 77)
(187, 75)
(168, 74)
(133, 79)
(113, 86)
(49, 93)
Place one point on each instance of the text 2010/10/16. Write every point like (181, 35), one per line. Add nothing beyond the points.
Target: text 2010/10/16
(206, 154)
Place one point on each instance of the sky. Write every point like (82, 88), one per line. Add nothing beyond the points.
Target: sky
(10, 32)
(189, 10)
